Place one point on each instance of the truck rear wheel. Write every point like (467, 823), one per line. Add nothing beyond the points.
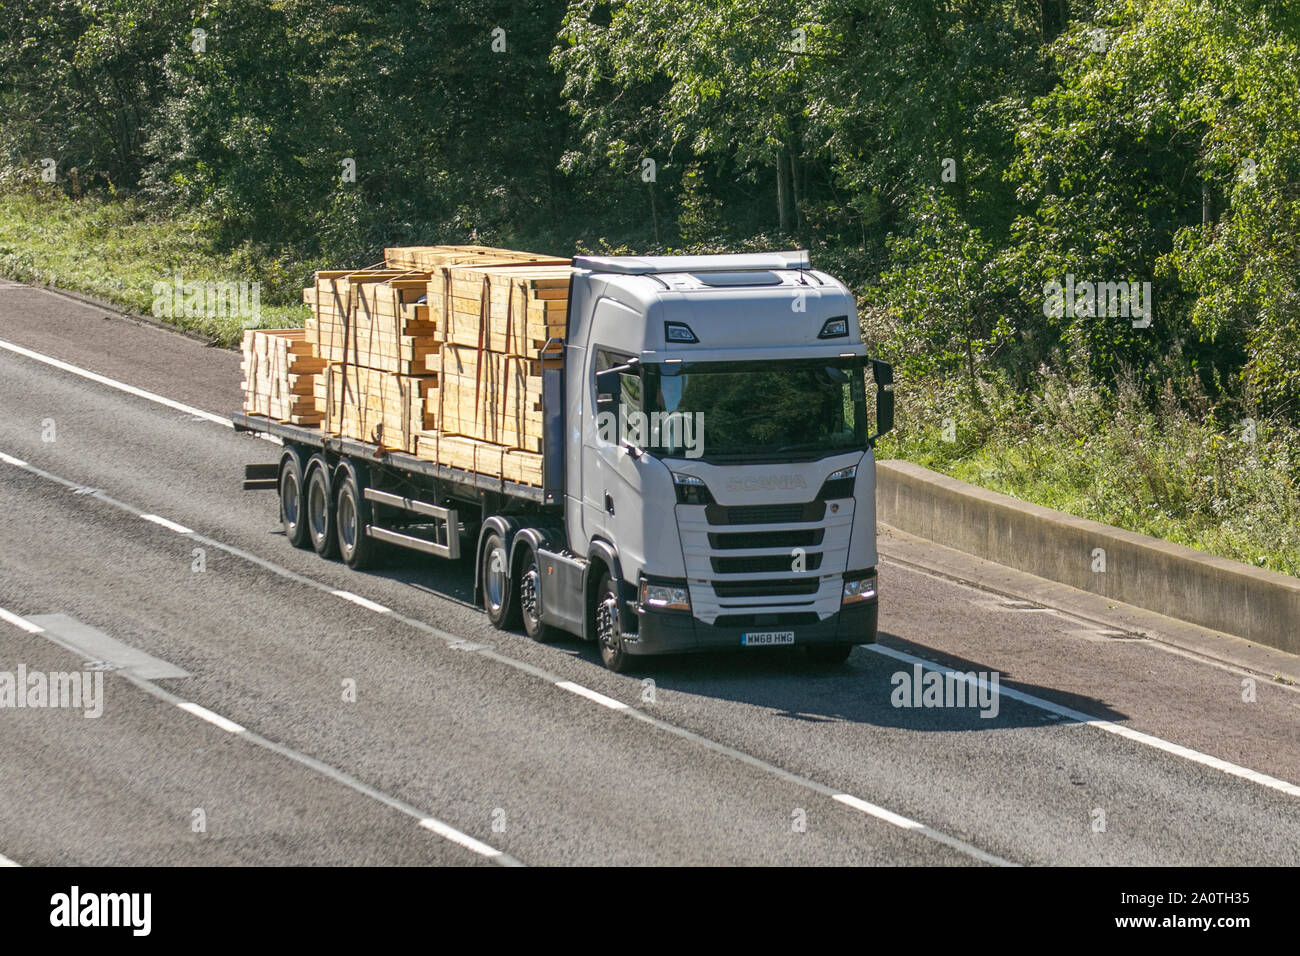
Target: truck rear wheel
(530, 599)
(494, 572)
(293, 501)
(352, 514)
(320, 509)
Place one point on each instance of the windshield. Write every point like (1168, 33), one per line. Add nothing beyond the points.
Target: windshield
(787, 410)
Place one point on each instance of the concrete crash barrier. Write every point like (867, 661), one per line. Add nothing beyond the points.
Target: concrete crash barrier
(1170, 579)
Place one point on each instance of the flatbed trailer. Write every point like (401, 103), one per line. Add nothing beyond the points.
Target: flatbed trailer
(401, 496)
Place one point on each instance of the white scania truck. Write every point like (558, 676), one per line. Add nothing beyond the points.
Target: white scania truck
(708, 469)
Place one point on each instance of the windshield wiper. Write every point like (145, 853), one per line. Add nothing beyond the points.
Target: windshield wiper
(805, 446)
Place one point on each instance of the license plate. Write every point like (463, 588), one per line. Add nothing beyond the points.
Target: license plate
(766, 638)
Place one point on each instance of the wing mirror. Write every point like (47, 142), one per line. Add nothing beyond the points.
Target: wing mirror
(883, 373)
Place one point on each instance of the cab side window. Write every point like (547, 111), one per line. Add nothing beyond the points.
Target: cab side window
(618, 400)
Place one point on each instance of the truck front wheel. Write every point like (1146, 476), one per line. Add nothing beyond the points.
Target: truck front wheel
(609, 631)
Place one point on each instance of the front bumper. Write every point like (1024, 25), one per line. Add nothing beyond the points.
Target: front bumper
(662, 632)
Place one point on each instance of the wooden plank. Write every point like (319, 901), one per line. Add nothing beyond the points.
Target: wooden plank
(279, 368)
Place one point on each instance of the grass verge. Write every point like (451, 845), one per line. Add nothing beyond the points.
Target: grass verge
(117, 251)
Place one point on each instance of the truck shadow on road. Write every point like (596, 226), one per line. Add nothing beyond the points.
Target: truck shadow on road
(870, 688)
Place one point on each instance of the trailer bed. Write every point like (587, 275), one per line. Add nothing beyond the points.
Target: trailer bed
(465, 481)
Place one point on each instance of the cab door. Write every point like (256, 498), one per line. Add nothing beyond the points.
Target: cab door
(606, 465)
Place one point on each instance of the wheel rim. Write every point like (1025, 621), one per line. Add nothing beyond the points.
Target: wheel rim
(317, 506)
(289, 497)
(347, 521)
(494, 577)
(528, 589)
(607, 631)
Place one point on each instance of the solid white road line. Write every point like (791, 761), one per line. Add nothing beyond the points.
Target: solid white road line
(1094, 629)
(123, 387)
(5, 861)
(20, 622)
(114, 383)
(889, 816)
(169, 525)
(464, 839)
(586, 692)
(1119, 730)
(362, 602)
(229, 726)
(445, 830)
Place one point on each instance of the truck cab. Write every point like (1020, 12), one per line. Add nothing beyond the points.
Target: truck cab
(709, 463)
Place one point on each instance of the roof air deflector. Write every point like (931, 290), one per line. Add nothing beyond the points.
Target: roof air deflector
(652, 265)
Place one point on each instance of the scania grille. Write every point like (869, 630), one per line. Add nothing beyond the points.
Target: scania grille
(754, 540)
(765, 514)
(763, 564)
(766, 588)
(750, 564)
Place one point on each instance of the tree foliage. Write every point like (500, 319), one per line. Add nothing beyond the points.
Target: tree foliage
(951, 158)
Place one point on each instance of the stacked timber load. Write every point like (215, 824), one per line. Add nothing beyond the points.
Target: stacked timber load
(377, 406)
(436, 354)
(494, 320)
(373, 319)
(281, 369)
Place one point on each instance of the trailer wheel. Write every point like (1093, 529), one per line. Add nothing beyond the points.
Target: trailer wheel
(320, 509)
(609, 631)
(293, 500)
(530, 598)
(499, 599)
(352, 513)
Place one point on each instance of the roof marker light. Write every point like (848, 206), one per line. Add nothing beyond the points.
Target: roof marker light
(836, 327)
(680, 332)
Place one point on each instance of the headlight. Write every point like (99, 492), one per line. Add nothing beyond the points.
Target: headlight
(859, 586)
(839, 484)
(665, 597)
(691, 490)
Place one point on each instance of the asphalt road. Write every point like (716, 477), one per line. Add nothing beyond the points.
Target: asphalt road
(389, 724)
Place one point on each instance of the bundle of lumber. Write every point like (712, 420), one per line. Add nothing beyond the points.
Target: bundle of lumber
(377, 406)
(494, 319)
(373, 319)
(280, 369)
(435, 353)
